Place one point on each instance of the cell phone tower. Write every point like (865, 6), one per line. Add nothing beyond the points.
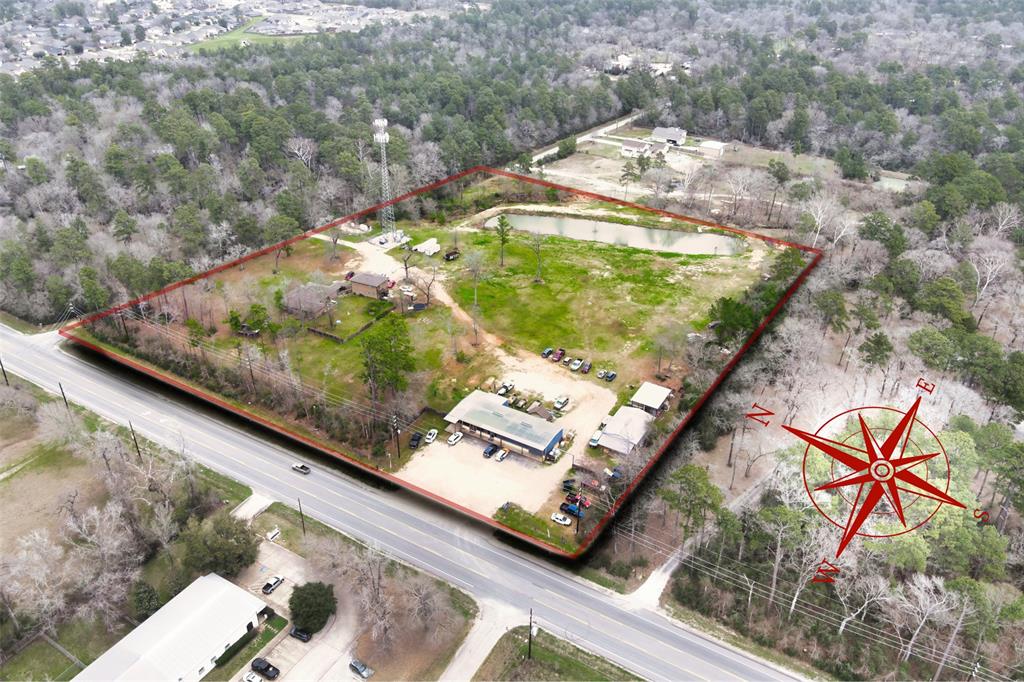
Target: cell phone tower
(387, 214)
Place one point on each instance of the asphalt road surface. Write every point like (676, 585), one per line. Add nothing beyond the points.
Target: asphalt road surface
(454, 549)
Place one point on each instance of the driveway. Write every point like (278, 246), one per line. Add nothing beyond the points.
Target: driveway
(272, 560)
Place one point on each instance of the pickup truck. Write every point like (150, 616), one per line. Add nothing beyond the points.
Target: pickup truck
(570, 509)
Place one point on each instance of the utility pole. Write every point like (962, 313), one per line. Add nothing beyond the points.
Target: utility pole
(302, 517)
(529, 644)
(6, 380)
(398, 433)
(138, 450)
(62, 395)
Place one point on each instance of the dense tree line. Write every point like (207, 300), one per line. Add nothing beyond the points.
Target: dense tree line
(118, 177)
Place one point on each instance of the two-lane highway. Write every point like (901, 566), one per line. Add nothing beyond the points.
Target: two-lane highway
(458, 551)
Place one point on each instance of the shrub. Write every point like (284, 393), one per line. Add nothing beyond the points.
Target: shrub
(312, 605)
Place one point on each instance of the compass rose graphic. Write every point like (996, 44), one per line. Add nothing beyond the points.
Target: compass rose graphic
(877, 478)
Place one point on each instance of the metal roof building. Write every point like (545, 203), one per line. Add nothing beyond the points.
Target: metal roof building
(625, 430)
(183, 640)
(487, 416)
(651, 397)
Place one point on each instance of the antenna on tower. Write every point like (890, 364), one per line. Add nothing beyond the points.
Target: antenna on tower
(387, 214)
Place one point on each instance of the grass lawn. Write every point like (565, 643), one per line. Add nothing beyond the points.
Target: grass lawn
(605, 300)
(19, 324)
(87, 640)
(39, 661)
(519, 519)
(553, 659)
(244, 656)
(287, 520)
(228, 490)
(234, 38)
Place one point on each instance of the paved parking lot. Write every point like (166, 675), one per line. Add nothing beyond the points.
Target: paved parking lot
(327, 655)
(460, 473)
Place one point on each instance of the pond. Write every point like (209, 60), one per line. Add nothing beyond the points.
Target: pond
(638, 237)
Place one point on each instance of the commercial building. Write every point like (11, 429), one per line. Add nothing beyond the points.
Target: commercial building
(488, 417)
(183, 640)
(625, 430)
(369, 285)
(651, 398)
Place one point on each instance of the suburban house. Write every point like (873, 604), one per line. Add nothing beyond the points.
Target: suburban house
(369, 285)
(488, 417)
(183, 640)
(634, 148)
(625, 430)
(312, 300)
(651, 398)
(673, 136)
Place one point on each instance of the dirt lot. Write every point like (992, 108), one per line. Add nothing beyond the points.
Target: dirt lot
(461, 474)
(35, 478)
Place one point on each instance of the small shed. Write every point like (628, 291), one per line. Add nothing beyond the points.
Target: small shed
(369, 285)
(711, 149)
(651, 398)
(429, 247)
(633, 148)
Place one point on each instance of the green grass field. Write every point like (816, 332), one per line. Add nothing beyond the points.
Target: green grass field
(39, 661)
(235, 37)
(552, 659)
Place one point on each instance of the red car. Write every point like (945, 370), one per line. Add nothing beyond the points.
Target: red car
(576, 498)
(559, 354)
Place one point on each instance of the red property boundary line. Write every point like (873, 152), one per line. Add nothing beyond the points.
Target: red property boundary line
(623, 497)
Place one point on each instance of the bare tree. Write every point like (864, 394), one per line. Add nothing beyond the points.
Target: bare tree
(858, 592)
(57, 424)
(38, 577)
(303, 149)
(536, 242)
(474, 263)
(335, 235)
(988, 258)
(914, 604)
(407, 259)
(425, 284)
(1005, 218)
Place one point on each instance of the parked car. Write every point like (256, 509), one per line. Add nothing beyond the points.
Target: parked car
(576, 364)
(250, 677)
(272, 584)
(566, 360)
(265, 668)
(561, 519)
(600, 374)
(300, 635)
(559, 354)
(610, 375)
(359, 668)
(546, 353)
(596, 438)
(349, 275)
(414, 442)
(455, 438)
(301, 468)
(502, 455)
(569, 484)
(520, 404)
(506, 386)
(570, 509)
(586, 367)
(451, 255)
(407, 289)
(561, 402)
(490, 450)
(431, 436)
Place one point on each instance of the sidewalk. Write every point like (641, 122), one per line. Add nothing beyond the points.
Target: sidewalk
(492, 621)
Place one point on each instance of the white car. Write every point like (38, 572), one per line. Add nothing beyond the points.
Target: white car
(431, 436)
(561, 519)
(252, 677)
(561, 402)
(595, 438)
(408, 290)
(502, 455)
(455, 438)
